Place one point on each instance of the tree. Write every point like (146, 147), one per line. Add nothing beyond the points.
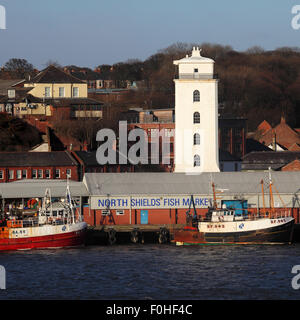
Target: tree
(19, 68)
(53, 63)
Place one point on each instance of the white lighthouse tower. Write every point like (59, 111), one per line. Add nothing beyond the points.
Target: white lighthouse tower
(196, 115)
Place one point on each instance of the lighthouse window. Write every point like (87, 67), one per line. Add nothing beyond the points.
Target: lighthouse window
(196, 160)
(196, 139)
(196, 96)
(196, 117)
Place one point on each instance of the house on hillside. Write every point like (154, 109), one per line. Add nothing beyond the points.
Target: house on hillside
(50, 94)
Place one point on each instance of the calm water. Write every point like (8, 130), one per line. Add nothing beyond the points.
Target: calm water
(152, 272)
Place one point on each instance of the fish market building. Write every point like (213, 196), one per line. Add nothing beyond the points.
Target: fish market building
(159, 198)
(164, 198)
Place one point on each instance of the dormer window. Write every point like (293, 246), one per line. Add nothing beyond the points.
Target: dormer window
(196, 96)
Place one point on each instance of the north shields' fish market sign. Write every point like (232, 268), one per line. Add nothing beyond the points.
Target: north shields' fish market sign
(148, 202)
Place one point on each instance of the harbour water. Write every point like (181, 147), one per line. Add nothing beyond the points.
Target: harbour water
(152, 271)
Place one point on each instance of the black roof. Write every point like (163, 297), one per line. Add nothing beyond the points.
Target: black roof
(54, 75)
(63, 102)
(42, 159)
(90, 160)
(254, 145)
(226, 156)
(265, 159)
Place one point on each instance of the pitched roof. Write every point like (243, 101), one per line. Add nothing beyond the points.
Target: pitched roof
(42, 159)
(84, 74)
(264, 160)
(65, 102)
(264, 127)
(54, 75)
(37, 188)
(294, 147)
(292, 166)
(90, 159)
(285, 136)
(227, 156)
(232, 183)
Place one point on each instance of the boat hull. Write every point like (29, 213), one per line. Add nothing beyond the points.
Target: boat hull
(74, 236)
(274, 235)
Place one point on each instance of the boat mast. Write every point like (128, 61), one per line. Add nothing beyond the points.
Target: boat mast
(271, 191)
(263, 196)
(215, 198)
(69, 200)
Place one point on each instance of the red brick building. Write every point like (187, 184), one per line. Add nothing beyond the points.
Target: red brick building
(37, 165)
(281, 137)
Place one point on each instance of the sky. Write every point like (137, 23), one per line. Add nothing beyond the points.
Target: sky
(88, 33)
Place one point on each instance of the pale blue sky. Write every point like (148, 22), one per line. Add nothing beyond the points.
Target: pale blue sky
(93, 32)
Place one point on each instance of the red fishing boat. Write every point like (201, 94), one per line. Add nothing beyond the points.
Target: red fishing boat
(223, 226)
(55, 225)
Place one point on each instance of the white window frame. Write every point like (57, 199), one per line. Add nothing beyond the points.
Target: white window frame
(34, 174)
(63, 92)
(69, 173)
(24, 170)
(57, 176)
(73, 93)
(120, 212)
(48, 174)
(19, 174)
(1, 175)
(11, 174)
(47, 92)
(42, 173)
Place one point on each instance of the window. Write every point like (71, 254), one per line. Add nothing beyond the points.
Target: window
(11, 174)
(47, 174)
(1, 174)
(196, 160)
(196, 139)
(196, 70)
(69, 173)
(196, 96)
(120, 212)
(19, 174)
(75, 92)
(34, 174)
(105, 212)
(40, 174)
(196, 117)
(24, 174)
(11, 93)
(61, 92)
(47, 92)
(57, 173)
